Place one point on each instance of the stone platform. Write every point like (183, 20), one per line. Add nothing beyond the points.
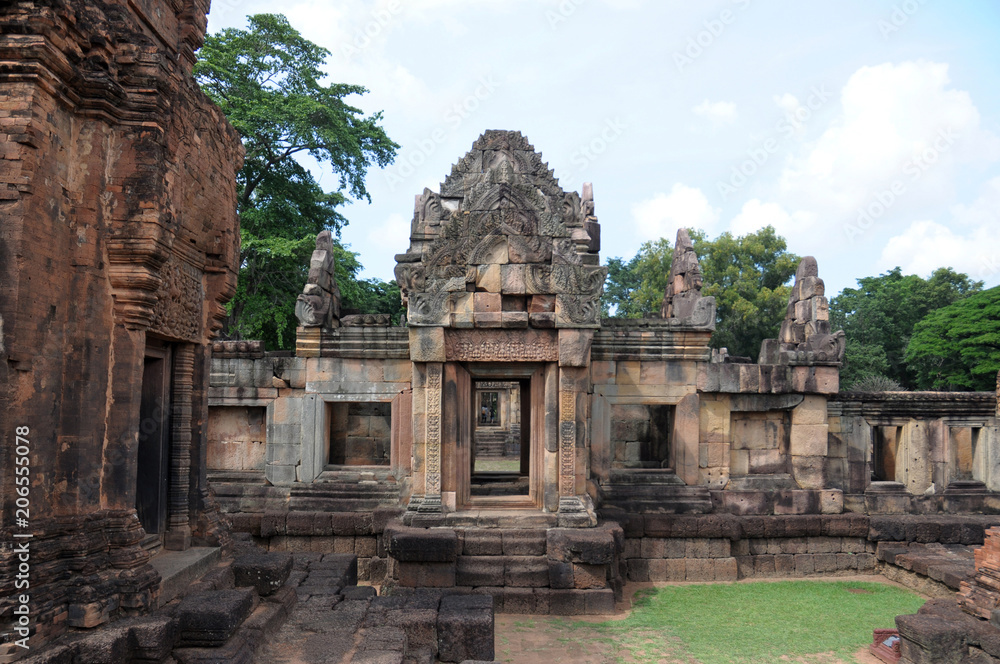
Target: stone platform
(261, 604)
(934, 569)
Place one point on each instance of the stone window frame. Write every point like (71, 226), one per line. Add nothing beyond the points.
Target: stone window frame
(603, 398)
(316, 418)
(327, 425)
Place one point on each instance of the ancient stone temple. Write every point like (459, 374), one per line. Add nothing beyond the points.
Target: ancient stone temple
(118, 249)
(509, 441)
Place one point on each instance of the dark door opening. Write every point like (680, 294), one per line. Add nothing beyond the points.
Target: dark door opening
(501, 451)
(885, 443)
(153, 463)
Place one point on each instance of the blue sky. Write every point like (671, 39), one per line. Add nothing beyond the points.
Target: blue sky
(867, 133)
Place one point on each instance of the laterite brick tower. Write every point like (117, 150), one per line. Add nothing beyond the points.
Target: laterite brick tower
(119, 244)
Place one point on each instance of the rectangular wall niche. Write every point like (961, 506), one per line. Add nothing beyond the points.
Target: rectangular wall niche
(885, 443)
(964, 441)
(236, 438)
(640, 435)
(359, 433)
(760, 443)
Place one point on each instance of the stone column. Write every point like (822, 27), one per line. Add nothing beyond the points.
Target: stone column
(178, 535)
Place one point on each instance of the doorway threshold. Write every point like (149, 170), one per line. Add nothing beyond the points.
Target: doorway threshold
(179, 569)
(484, 518)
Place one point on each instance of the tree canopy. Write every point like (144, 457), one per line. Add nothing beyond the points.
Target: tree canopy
(267, 79)
(879, 318)
(748, 276)
(957, 347)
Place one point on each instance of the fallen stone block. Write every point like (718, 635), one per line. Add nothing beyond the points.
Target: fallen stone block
(929, 639)
(265, 572)
(210, 618)
(465, 628)
(153, 637)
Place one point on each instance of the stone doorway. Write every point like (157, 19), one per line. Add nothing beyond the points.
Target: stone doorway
(501, 450)
(502, 401)
(153, 458)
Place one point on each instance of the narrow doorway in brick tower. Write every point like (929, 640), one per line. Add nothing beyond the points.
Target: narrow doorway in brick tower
(153, 459)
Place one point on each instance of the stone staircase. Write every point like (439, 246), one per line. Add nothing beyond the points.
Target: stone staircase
(654, 491)
(491, 444)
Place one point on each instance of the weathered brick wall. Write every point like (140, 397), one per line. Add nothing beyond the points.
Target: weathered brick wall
(117, 220)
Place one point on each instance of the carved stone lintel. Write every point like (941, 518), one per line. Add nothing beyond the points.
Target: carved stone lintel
(501, 346)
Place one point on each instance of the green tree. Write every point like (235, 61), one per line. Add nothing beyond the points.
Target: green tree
(636, 288)
(747, 275)
(267, 80)
(879, 317)
(957, 347)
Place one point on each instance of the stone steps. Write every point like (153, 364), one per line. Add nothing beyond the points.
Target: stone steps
(179, 569)
(661, 497)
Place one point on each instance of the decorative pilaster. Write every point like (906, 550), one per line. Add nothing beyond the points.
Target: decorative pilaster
(432, 438)
(178, 535)
(567, 443)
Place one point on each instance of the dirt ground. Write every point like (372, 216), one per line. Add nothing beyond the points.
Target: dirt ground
(528, 639)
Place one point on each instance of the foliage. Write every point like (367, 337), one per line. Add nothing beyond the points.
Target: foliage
(286, 264)
(957, 347)
(747, 275)
(267, 79)
(636, 288)
(875, 383)
(879, 317)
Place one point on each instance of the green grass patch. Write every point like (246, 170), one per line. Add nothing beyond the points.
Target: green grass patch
(759, 623)
(498, 465)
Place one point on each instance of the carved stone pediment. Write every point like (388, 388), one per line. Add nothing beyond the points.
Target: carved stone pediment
(500, 234)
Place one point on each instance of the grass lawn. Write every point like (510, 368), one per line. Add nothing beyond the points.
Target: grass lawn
(498, 465)
(737, 623)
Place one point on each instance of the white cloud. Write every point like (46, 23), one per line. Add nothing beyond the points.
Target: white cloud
(967, 243)
(927, 245)
(892, 120)
(684, 207)
(787, 102)
(984, 211)
(719, 112)
(797, 227)
(394, 232)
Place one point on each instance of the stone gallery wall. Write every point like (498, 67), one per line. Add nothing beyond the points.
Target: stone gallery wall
(118, 233)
